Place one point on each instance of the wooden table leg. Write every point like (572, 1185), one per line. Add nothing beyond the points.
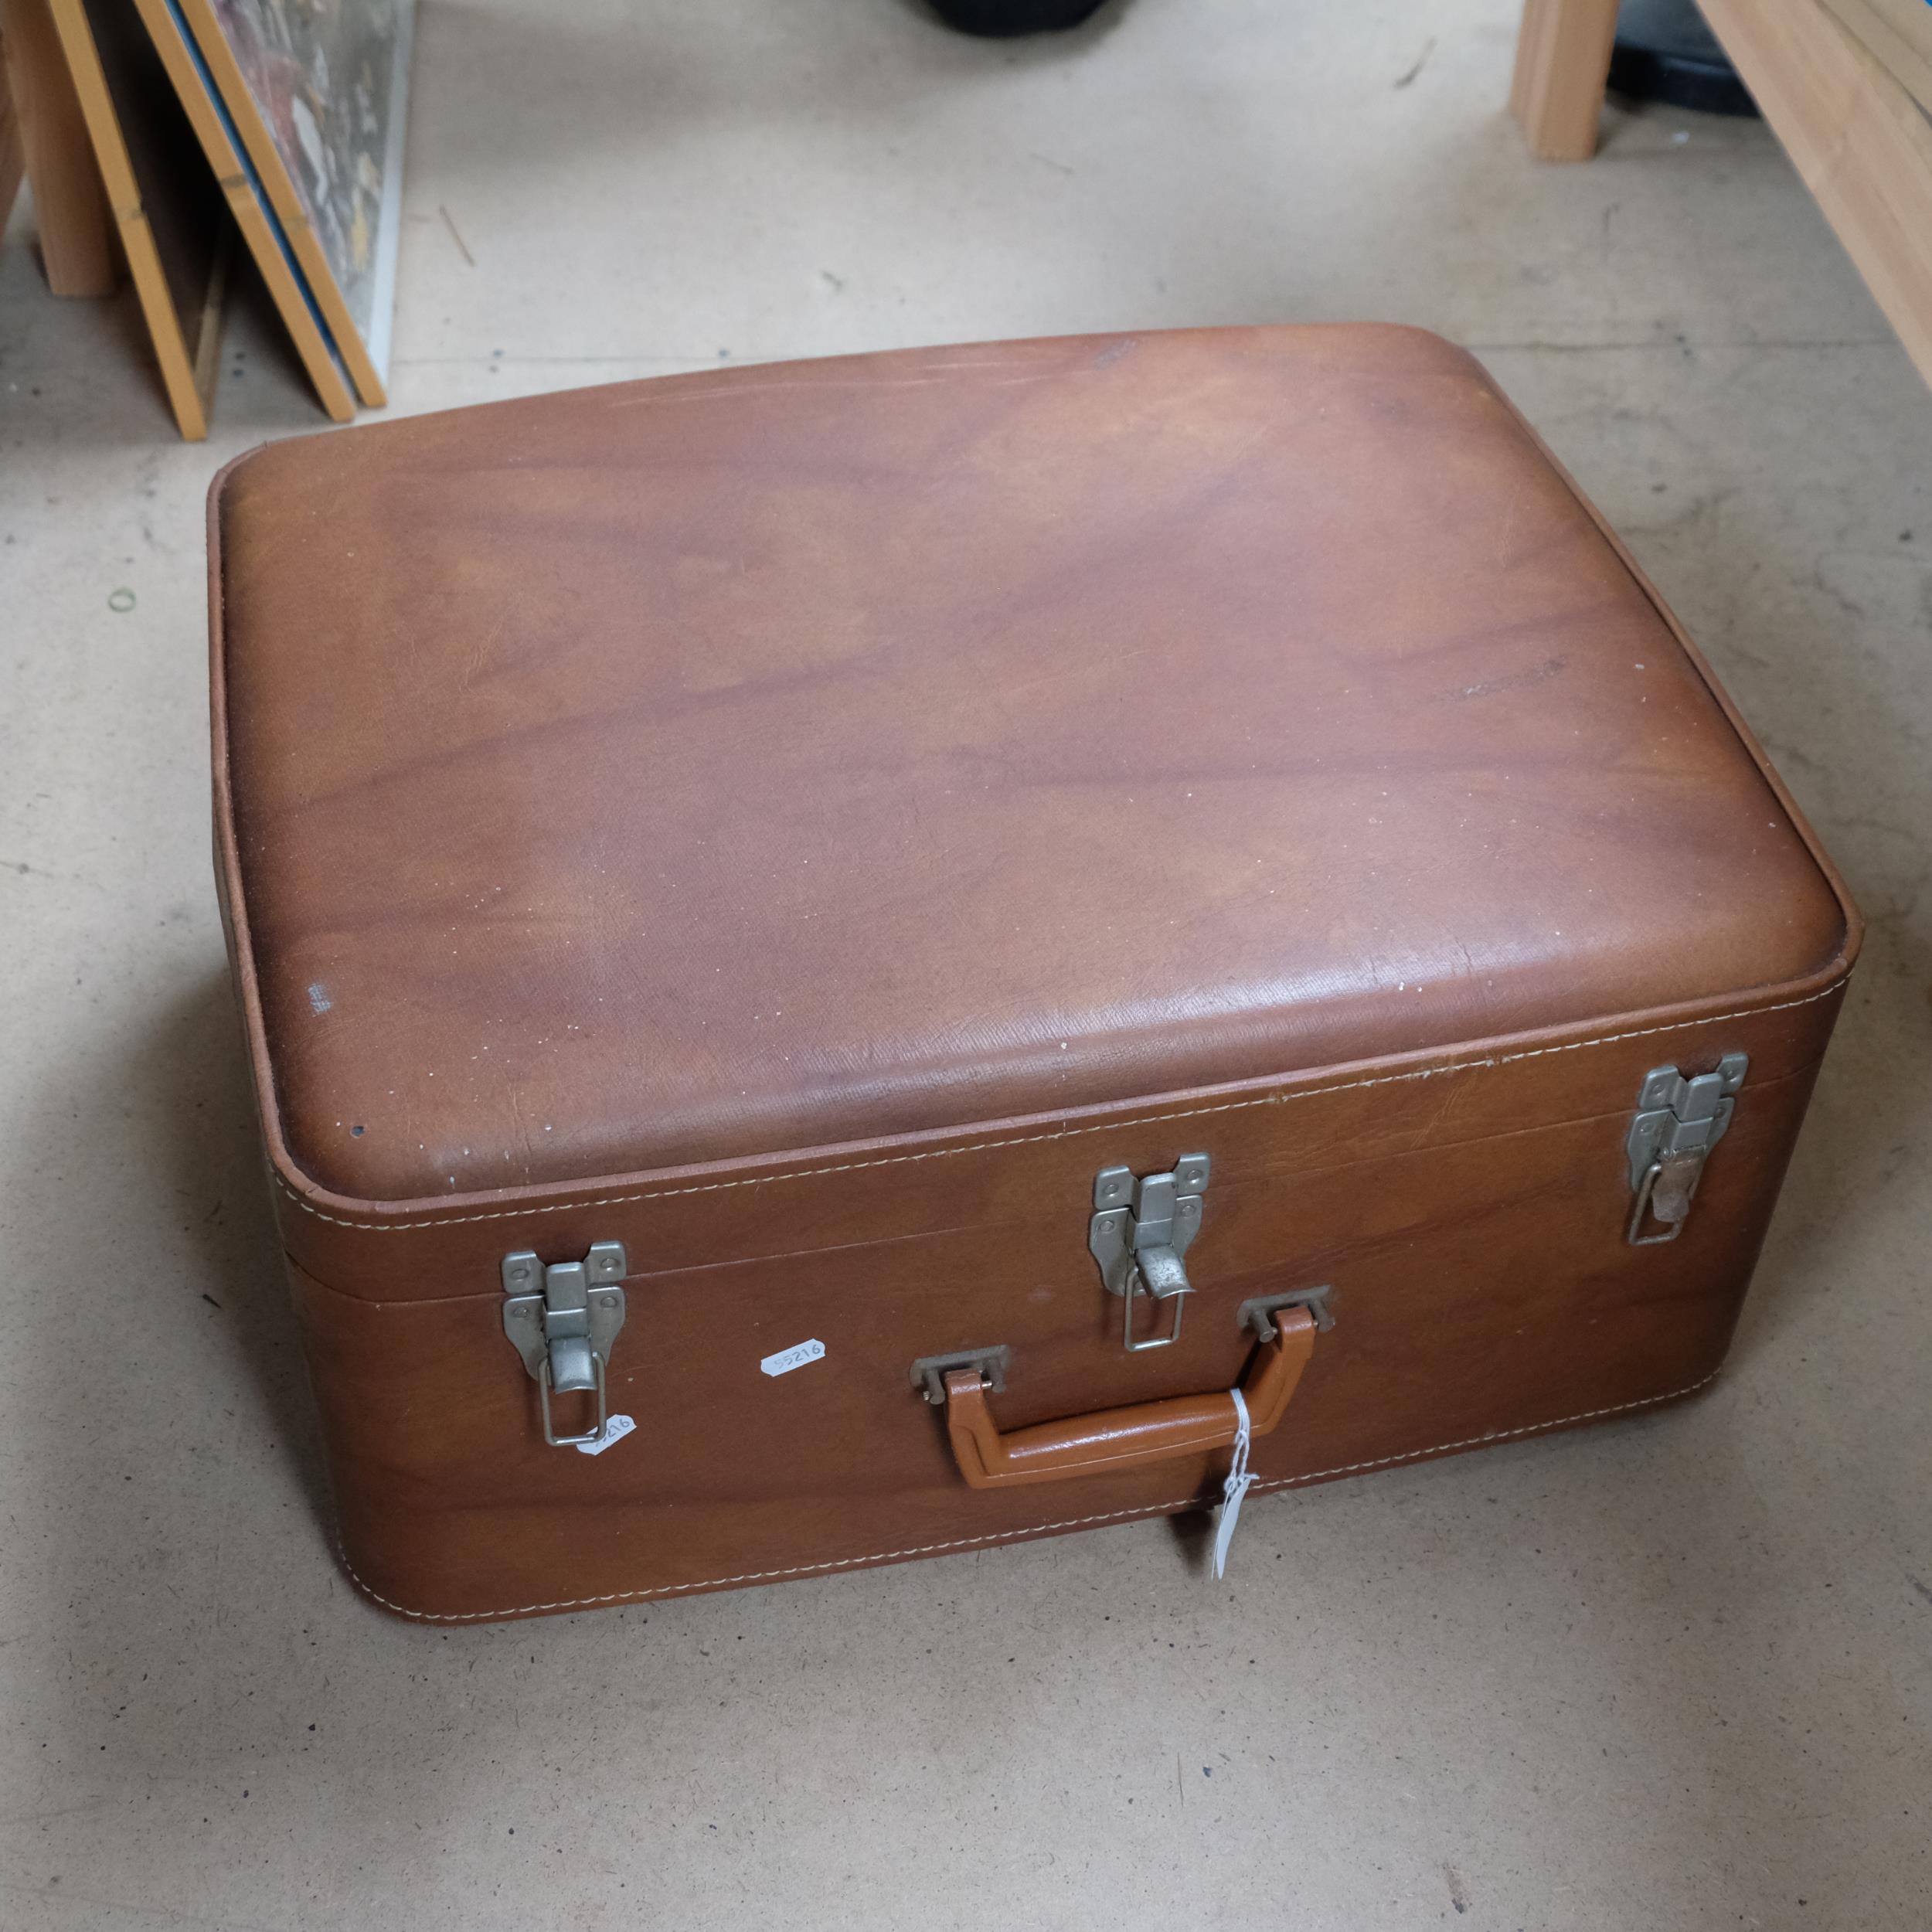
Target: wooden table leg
(78, 245)
(1563, 60)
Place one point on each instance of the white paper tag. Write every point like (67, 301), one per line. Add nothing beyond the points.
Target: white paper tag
(1240, 1479)
(795, 1357)
(615, 1429)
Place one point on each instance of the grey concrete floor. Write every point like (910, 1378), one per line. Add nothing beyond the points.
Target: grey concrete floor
(1675, 1672)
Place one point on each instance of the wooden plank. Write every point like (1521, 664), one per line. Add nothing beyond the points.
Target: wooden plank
(77, 249)
(248, 200)
(1857, 138)
(1899, 34)
(1562, 61)
(169, 212)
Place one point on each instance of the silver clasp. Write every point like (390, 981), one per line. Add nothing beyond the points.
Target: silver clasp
(563, 1319)
(1140, 1230)
(1678, 1121)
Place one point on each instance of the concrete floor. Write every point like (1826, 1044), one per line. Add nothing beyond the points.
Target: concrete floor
(1675, 1672)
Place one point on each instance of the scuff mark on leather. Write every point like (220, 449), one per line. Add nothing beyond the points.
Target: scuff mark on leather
(1516, 681)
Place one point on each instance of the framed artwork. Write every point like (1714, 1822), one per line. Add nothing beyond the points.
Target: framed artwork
(171, 219)
(318, 91)
(255, 216)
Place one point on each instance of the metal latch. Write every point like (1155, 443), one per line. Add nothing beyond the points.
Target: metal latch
(1678, 1121)
(1140, 1230)
(563, 1319)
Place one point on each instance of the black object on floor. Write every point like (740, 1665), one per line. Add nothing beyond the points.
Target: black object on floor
(1005, 19)
(1665, 52)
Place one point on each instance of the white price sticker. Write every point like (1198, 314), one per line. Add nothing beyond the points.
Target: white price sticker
(795, 1357)
(615, 1429)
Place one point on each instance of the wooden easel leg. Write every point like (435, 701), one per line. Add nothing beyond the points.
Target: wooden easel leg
(11, 162)
(76, 241)
(1563, 60)
(205, 347)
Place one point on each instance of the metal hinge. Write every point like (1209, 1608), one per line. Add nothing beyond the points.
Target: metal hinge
(1258, 1312)
(1678, 1121)
(563, 1318)
(929, 1372)
(1139, 1232)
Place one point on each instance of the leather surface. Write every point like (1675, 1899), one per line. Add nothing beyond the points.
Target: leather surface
(696, 769)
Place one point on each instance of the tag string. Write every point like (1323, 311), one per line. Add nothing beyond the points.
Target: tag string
(1239, 1478)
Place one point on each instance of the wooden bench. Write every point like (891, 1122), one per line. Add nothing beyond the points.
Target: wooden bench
(1860, 141)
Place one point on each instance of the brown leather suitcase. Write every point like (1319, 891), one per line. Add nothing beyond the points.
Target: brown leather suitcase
(877, 936)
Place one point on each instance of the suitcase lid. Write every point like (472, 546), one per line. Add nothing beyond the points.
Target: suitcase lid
(770, 759)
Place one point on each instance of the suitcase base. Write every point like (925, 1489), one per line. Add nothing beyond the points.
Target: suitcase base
(1479, 1273)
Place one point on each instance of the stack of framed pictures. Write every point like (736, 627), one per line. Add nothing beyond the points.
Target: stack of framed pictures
(297, 107)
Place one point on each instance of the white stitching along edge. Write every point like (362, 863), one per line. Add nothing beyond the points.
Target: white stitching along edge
(965, 1542)
(1061, 1134)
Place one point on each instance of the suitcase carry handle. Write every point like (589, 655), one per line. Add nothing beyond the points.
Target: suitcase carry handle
(1111, 1439)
